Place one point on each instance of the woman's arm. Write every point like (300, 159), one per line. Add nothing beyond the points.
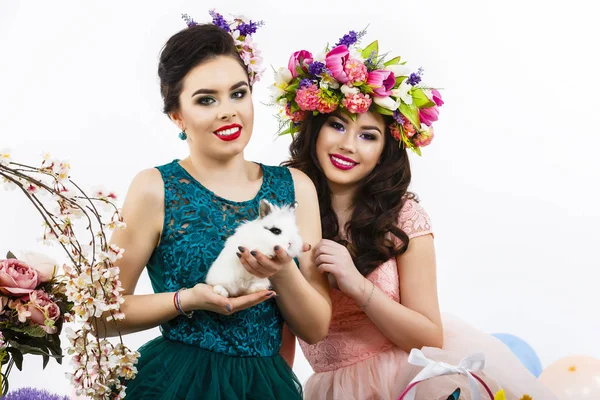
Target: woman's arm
(415, 322)
(143, 213)
(304, 298)
(288, 346)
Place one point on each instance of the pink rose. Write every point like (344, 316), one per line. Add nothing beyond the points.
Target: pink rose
(17, 278)
(44, 265)
(299, 59)
(428, 115)
(335, 61)
(382, 81)
(41, 308)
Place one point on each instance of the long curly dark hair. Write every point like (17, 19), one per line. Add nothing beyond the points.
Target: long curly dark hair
(378, 201)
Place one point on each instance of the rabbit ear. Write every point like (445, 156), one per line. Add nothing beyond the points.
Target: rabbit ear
(264, 209)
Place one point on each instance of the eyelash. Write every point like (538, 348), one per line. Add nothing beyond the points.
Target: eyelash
(203, 100)
(340, 128)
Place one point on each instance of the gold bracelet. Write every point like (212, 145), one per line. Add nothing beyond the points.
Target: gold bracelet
(370, 296)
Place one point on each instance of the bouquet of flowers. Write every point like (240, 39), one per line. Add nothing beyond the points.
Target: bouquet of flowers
(32, 301)
(39, 295)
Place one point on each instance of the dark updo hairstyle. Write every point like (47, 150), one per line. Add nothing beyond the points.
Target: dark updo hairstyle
(184, 51)
(377, 204)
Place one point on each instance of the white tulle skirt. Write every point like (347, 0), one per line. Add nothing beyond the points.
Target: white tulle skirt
(386, 375)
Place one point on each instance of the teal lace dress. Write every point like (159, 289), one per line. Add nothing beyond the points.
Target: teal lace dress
(211, 356)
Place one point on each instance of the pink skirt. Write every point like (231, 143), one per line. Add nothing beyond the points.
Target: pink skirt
(386, 375)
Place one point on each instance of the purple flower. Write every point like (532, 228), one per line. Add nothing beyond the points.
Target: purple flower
(249, 28)
(29, 393)
(188, 20)
(219, 21)
(304, 83)
(316, 68)
(348, 39)
(414, 79)
(398, 117)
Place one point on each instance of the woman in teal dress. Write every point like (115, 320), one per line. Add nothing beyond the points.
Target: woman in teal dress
(178, 217)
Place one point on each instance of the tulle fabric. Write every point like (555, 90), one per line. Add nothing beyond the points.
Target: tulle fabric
(385, 376)
(171, 370)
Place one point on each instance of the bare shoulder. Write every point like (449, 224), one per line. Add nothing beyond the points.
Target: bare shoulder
(147, 187)
(303, 186)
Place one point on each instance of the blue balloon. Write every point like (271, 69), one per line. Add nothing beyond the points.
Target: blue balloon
(523, 351)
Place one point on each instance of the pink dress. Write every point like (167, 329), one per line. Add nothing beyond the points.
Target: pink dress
(355, 361)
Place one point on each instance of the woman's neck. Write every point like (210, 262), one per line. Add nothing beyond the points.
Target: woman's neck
(235, 179)
(342, 202)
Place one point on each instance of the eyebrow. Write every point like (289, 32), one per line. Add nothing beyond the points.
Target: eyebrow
(212, 91)
(366, 127)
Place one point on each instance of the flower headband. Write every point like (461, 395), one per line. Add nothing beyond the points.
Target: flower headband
(355, 81)
(240, 29)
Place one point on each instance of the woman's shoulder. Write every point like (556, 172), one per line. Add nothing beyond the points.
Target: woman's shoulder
(413, 219)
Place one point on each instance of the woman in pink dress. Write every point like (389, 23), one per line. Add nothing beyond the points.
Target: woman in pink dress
(353, 117)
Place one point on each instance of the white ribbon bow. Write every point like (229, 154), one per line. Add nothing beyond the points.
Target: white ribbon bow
(473, 363)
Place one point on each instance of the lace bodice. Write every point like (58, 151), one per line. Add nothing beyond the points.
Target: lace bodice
(196, 224)
(352, 336)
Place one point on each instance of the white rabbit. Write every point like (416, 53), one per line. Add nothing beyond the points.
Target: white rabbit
(275, 226)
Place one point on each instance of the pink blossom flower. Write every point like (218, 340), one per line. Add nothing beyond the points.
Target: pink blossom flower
(326, 104)
(395, 131)
(429, 115)
(357, 103)
(17, 278)
(296, 116)
(409, 128)
(299, 59)
(356, 71)
(382, 81)
(308, 97)
(423, 138)
(335, 61)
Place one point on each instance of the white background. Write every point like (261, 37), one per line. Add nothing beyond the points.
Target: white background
(511, 180)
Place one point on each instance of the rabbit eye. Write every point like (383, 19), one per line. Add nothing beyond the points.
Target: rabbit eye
(274, 231)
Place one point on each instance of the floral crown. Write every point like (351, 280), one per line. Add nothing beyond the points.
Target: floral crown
(356, 80)
(240, 29)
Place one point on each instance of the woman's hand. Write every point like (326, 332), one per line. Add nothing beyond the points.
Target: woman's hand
(262, 266)
(335, 259)
(202, 297)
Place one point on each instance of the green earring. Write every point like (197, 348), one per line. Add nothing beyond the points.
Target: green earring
(182, 135)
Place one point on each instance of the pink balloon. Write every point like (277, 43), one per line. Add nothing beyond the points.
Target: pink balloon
(573, 378)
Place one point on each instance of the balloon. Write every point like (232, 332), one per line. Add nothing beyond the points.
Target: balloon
(523, 351)
(573, 378)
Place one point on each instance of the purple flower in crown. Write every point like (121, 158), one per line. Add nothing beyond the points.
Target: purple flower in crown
(351, 38)
(219, 20)
(348, 39)
(415, 78)
(398, 117)
(304, 83)
(316, 68)
(249, 28)
(188, 20)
